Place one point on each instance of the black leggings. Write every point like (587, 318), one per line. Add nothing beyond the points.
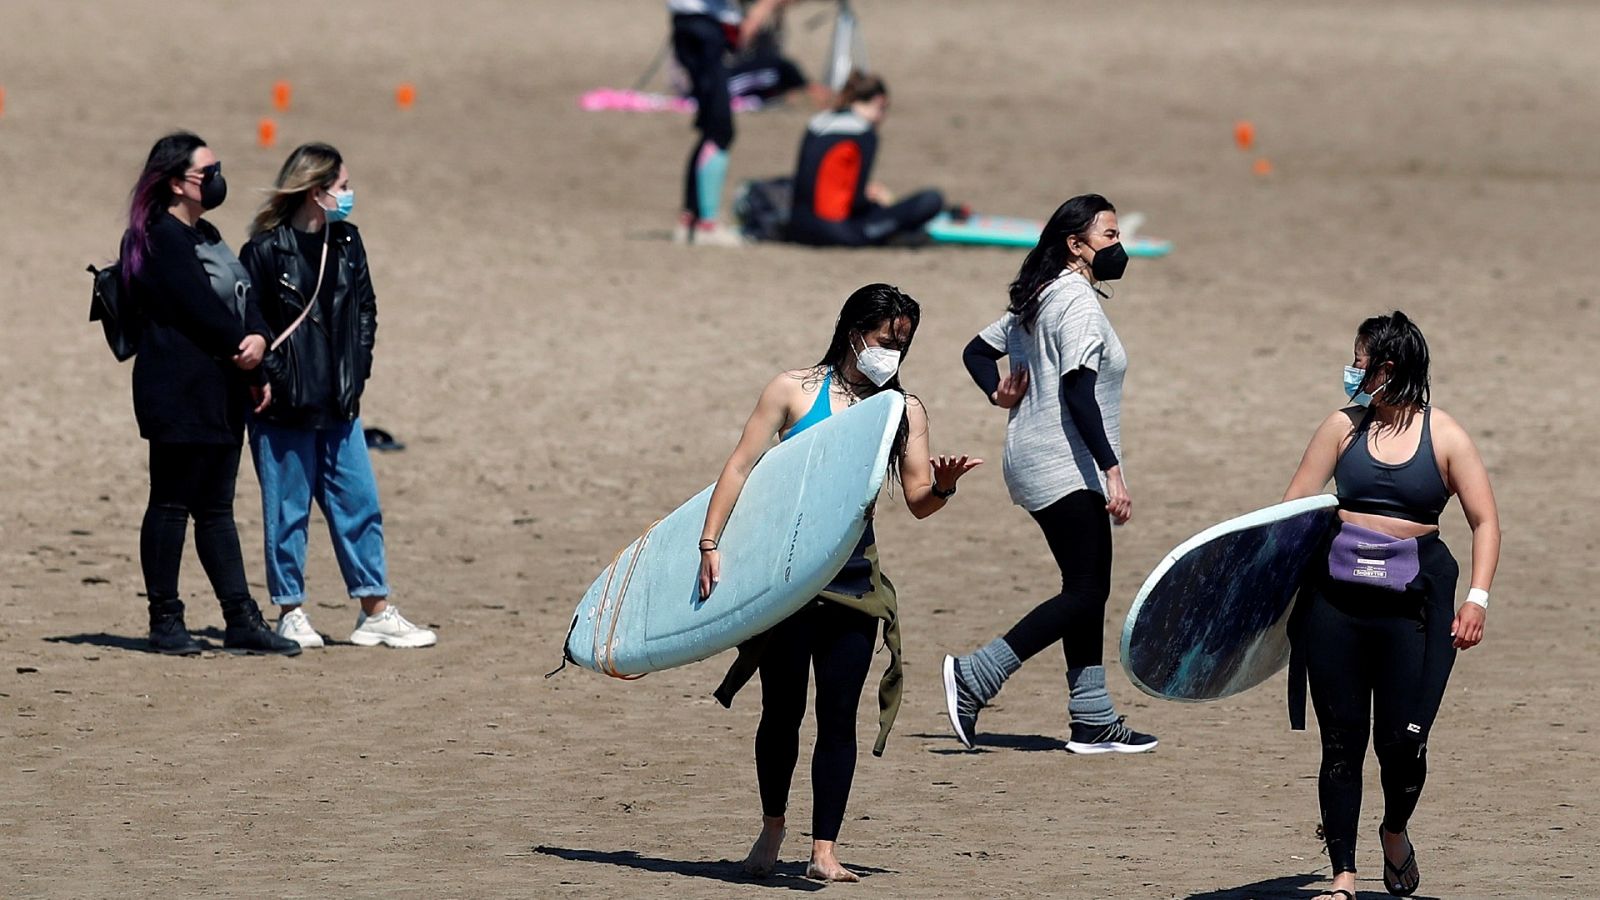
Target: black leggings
(192, 480)
(699, 44)
(1378, 661)
(876, 226)
(1078, 529)
(837, 641)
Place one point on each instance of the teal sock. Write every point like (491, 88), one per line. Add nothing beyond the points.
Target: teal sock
(1089, 702)
(986, 669)
(711, 170)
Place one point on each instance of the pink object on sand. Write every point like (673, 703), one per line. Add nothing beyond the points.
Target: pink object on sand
(622, 100)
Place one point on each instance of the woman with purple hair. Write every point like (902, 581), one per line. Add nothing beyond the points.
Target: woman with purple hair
(197, 371)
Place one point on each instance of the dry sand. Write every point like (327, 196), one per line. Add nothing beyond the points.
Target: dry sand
(563, 375)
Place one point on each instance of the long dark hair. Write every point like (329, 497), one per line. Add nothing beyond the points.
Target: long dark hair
(151, 197)
(1049, 256)
(1397, 340)
(863, 312)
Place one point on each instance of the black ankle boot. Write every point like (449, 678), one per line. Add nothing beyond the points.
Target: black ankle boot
(168, 634)
(247, 632)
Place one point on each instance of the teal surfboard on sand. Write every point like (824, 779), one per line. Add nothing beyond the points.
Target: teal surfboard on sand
(1006, 231)
(801, 513)
(1212, 619)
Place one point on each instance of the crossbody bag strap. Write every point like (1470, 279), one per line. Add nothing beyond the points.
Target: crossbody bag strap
(322, 268)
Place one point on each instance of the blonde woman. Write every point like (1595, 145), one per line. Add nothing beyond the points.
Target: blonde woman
(314, 290)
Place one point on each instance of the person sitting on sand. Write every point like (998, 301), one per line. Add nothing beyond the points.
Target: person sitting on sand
(835, 201)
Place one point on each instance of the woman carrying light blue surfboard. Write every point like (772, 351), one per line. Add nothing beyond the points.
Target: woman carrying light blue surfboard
(1063, 444)
(1374, 629)
(835, 633)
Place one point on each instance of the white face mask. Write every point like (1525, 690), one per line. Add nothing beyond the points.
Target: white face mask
(877, 363)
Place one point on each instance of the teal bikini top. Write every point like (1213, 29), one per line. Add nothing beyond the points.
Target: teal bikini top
(820, 409)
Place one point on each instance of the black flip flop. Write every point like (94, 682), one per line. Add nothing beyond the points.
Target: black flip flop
(1394, 876)
(382, 441)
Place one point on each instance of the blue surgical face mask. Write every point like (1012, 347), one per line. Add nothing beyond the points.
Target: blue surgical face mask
(345, 203)
(1352, 380)
(1352, 386)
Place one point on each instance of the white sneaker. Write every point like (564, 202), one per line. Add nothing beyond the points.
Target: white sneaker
(390, 629)
(711, 233)
(683, 232)
(295, 626)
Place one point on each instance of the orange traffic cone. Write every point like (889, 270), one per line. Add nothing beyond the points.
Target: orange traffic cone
(405, 95)
(1244, 134)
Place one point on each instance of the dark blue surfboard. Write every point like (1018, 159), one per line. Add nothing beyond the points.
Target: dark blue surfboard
(1212, 619)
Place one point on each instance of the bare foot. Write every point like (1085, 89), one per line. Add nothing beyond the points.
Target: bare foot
(1344, 888)
(763, 858)
(824, 866)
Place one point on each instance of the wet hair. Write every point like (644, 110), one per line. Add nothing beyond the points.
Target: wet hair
(1049, 256)
(1396, 340)
(866, 311)
(858, 88)
(151, 197)
(309, 167)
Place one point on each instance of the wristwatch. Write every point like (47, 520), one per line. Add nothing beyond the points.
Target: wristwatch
(943, 495)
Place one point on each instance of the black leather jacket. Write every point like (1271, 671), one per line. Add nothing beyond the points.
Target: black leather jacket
(303, 366)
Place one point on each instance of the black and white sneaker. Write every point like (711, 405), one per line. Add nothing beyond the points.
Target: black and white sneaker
(1113, 738)
(960, 703)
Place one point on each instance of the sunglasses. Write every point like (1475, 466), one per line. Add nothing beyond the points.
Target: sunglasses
(206, 173)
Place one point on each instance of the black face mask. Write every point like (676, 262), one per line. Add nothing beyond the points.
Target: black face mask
(1109, 262)
(213, 187)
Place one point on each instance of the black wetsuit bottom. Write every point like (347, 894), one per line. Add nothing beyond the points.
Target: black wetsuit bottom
(836, 641)
(1078, 530)
(192, 481)
(878, 225)
(700, 44)
(1378, 662)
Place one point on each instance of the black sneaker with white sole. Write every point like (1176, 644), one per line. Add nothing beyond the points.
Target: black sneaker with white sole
(1113, 738)
(960, 703)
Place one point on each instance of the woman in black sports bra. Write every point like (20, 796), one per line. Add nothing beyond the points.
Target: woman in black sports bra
(1375, 627)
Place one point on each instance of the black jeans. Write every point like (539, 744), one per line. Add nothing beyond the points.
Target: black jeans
(700, 44)
(192, 480)
(1378, 662)
(1078, 530)
(837, 641)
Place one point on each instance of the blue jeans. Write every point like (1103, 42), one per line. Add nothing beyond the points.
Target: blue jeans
(331, 465)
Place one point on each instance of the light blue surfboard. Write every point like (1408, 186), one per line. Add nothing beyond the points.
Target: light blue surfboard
(801, 513)
(1212, 619)
(1009, 231)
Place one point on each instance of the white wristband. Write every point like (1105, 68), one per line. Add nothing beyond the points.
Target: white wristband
(1478, 596)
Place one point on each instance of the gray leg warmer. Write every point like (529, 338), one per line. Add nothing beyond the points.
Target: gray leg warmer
(986, 669)
(1089, 704)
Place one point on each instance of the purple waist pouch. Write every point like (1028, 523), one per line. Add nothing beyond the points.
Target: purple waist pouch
(1362, 556)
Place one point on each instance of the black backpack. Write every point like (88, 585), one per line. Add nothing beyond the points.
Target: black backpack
(762, 207)
(114, 310)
